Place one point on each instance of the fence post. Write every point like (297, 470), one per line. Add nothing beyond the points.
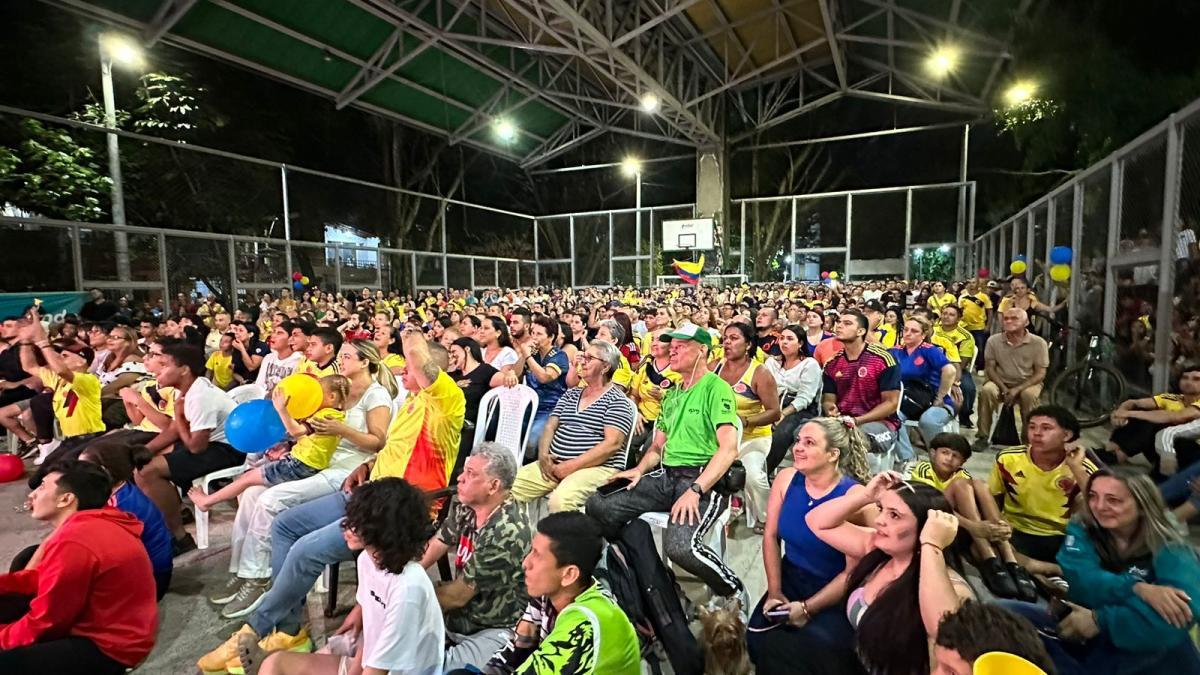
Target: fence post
(571, 245)
(445, 260)
(1115, 204)
(413, 260)
(233, 287)
(849, 230)
(162, 266)
(792, 266)
(537, 265)
(337, 268)
(1051, 223)
(1074, 285)
(610, 244)
(974, 263)
(1166, 258)
(77, 258)
(742, 244)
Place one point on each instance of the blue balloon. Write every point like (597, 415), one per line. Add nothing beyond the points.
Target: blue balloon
(254, 426)
(1060, 255)
(1021, 257)
(297, 285)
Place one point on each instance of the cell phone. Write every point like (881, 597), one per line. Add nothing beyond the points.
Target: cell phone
(778, 614)
(613, 487)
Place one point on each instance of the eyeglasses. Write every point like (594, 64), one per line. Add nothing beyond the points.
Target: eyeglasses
(587, 358)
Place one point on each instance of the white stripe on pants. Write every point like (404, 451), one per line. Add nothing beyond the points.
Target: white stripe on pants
(250, 554)
(753, 454)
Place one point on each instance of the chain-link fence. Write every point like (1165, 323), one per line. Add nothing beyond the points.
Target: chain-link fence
(1132, 223)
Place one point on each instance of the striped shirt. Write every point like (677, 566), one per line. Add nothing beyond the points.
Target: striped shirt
(859, 383)
(581, 430)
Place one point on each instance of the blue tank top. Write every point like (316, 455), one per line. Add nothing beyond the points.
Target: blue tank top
(155, 535)
(801, 548)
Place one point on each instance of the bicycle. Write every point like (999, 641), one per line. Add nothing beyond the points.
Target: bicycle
(1091, 388)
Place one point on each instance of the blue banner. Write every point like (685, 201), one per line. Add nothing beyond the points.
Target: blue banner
(54, 305)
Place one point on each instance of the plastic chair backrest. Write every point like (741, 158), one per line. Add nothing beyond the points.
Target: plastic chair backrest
(513, 408)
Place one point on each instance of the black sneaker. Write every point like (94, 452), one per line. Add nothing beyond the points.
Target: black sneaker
(1027, 589)
(181, 545)
(966, 424)
(997, 579)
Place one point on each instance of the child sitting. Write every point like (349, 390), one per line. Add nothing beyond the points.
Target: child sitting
(220, 364)
(310, 454)
(970, 498)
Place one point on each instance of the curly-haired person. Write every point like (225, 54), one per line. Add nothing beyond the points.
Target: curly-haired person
(975, 629)
(402, 628)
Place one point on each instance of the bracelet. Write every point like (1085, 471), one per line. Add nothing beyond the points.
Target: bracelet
(935, 546)
(804, 609)
(42, 345)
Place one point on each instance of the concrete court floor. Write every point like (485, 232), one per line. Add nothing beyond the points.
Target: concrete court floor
(189, 625)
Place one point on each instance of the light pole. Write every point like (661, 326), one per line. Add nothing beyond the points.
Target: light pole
(632, 168)
(121, 49)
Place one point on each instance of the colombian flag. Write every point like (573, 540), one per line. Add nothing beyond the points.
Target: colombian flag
(690, 271)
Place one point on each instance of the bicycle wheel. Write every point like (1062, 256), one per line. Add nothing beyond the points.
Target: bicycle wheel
(1090, 390)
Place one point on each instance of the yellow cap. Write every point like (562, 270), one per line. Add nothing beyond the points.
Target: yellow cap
(1002, 663)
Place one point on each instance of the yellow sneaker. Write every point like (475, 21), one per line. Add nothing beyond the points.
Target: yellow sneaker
(214, 662)
(250, 653)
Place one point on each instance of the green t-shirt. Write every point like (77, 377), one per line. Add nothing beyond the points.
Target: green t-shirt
(690, 418)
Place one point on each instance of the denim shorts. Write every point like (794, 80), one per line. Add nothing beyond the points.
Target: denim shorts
(286, 470)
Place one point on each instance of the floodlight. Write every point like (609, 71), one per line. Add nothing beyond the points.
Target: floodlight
(121, 49)
(942, 61)
(505, 130)
(631, 166)
(918, 252)
(1019, 93)
(944, 248)
(649, 102)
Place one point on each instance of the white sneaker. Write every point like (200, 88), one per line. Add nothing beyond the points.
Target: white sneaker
(44, 450)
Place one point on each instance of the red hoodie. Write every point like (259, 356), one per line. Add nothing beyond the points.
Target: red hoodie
(95, 582)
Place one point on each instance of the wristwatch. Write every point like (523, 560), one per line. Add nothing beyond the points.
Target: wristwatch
(695, 487)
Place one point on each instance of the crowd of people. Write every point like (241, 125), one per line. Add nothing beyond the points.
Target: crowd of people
(836, 418)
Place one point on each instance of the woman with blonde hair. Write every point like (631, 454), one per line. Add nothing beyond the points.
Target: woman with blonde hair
(1134, 584)
(805, 576)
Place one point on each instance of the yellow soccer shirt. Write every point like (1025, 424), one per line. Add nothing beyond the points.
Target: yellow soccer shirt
(310, 367)
(1036, 502)
(163, 400)
(962, 340)
(646, 381)
(422, 440)
(947, 346)
(1173, 402)
(221, 366)
(923, 473)
(315, 450)
(974, 310)
(622, 377)
(937, 302)
(76, 403)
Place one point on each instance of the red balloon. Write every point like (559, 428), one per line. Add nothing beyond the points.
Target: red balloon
(11, 468)
(824, 275)
(984, 273)
(296, 276)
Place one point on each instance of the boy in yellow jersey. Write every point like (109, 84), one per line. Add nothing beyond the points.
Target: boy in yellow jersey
(320, 352)
(220, 364)
(76, 398)
(976, 310)
(949, 328)
(150, 406)
(1037, 485)
(650, 383)
(1153, 426)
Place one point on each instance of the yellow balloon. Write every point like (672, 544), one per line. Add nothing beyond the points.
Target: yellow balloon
(1002, 663)
(833, 275)
(304, 395)
(1017, 267)
(1060, 273)
(304, 280)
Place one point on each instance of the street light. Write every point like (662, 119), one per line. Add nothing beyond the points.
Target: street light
(649, 102)
(1020, 93)
(918, 252)
(942, 61)
(505, 130)
(118, 48)
(631, 166)
(944, 248)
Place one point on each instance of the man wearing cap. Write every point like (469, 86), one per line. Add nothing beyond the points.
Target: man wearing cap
(879, 332)
(695, 442)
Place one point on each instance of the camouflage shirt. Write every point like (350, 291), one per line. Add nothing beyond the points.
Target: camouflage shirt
(490, 559)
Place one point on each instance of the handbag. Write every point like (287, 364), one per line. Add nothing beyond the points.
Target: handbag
(1004, 431)
(733, 481)
(918, 397)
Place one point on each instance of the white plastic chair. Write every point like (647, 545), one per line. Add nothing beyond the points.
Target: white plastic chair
(513, 408)
(239, 395)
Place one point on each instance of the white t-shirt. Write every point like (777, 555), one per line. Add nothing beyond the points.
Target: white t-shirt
(273, 369)
(348, 455)
(403, 630)
(803, 380)
(505, 357)
(206, 408)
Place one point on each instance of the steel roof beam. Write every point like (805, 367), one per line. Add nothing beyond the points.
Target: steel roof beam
(169, 13)
(839, 62)
(666, 15)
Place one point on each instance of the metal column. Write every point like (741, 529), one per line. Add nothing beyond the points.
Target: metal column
(445, 261)
(1074, 285)
(413, 259)
(849, 229)
(908, 235)
(742, 244)
(973, 264)
(77, 261)
(960, 263)
(162, 266)
(1166, 259)
(233, 287)
(610, 239)
(337, 268)
(117, 193)
(1051, 220)
(1115, 204)
(637, 227)
(571, 243)
(537, 266)
(1030, 243)
(792, 249)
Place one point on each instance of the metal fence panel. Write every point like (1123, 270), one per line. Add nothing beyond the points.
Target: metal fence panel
(46, 256)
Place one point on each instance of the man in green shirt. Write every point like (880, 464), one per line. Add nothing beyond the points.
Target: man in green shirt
(696, 443)
(571, 626)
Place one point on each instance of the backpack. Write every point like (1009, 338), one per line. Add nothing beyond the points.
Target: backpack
(646, 590)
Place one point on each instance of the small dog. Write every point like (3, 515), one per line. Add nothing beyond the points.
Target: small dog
(723, 633)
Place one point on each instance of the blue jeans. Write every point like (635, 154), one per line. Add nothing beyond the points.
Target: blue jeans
(968, 390)
(1176, 489)
(304, 539)
(535, 433)
(1099, 656)
(931, 423)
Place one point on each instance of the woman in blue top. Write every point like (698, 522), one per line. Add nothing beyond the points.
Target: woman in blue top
(806, 578)
(120, 457)
(924, 365)
(1134, 585)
